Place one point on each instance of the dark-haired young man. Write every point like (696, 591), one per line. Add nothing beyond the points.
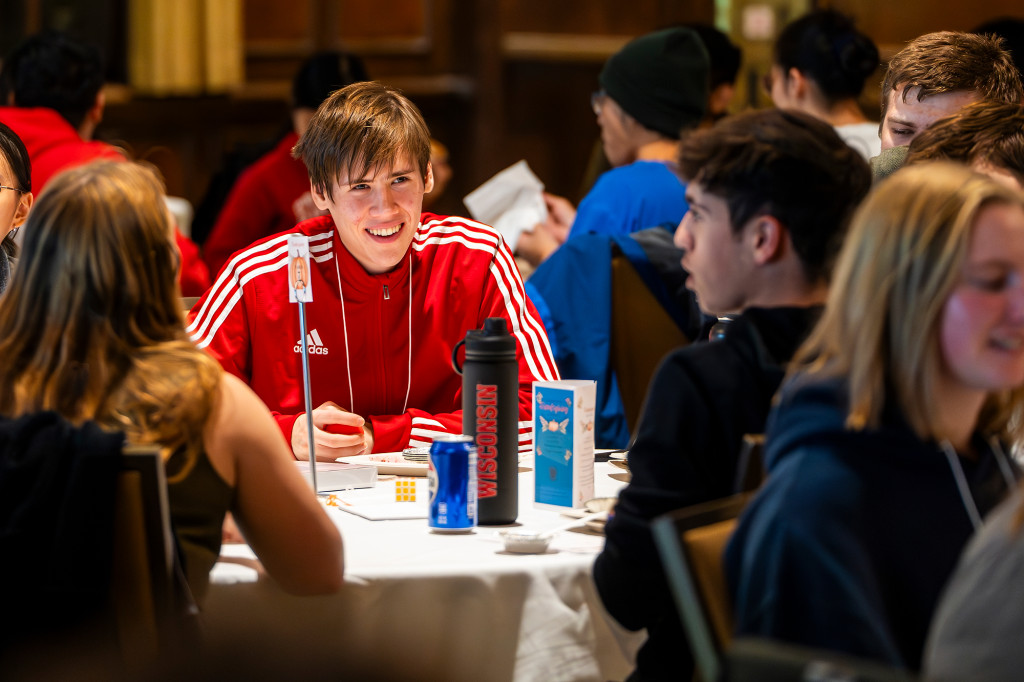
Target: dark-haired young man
(394, 290)
(54, 88)
(770, 195)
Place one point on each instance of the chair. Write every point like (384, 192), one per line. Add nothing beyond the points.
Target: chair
(750, 464)
(691, 542)
(142, 589)
(642, 333)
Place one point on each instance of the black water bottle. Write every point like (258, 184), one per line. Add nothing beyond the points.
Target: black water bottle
(490, 414)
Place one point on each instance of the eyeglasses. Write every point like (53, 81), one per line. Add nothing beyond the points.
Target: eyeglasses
(597, 101)
(13, 189)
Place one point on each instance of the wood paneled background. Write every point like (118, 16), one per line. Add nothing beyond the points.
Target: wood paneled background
(497, 80)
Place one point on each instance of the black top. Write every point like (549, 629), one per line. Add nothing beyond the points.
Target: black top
(703, 399)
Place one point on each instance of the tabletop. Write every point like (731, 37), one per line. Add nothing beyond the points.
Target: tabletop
(473, 609)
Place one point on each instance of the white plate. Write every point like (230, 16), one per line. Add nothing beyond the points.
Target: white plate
(391, 463)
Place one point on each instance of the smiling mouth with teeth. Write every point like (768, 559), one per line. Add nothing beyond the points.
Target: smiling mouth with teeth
(385, 231)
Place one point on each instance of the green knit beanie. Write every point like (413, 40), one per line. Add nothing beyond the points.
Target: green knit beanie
(661, 80)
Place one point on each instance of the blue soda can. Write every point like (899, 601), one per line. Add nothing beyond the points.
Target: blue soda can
(452, 477)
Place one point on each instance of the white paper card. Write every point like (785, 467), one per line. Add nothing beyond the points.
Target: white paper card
(339, 475)
(299, 288)
(512, 202)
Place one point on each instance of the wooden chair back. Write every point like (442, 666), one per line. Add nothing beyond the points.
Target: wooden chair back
(642, 334)
(691, 542)
(142, 587)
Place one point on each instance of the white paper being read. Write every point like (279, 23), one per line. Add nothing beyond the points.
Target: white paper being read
(512, 202)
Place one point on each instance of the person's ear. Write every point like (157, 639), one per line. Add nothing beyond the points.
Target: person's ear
(21, 213)
(320, 198)
(767, 239)
(95, 113)
(428, 181)
(796, 84)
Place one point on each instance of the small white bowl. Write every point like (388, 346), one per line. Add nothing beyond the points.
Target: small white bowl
(523, 542)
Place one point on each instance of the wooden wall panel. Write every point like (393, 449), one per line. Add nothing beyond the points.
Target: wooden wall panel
(365, 22)
(274, 27)
(893, 24)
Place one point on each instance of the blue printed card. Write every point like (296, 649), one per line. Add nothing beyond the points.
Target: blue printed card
(563, 442)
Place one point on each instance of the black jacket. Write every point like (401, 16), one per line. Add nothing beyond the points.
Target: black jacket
(57, 486)
(703, 399)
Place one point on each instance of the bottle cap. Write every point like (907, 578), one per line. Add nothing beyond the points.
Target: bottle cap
(493, 342)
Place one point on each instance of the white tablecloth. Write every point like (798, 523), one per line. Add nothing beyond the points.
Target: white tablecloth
(460, 604)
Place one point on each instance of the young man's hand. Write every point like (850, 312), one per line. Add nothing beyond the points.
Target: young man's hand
(561, 214)
(538, 244)
(336, 433)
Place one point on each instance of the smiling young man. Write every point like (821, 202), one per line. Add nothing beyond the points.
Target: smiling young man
(770, 195)
(393, 292)
(938, 74)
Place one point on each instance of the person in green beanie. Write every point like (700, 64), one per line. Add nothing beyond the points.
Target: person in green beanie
(651, 90)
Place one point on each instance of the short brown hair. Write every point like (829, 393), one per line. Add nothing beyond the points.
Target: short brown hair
(362, 127)
(988, 132)
(950, 61)
(786, 164)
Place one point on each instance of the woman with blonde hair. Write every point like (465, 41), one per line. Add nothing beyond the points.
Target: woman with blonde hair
(886, 446)
(92, 328)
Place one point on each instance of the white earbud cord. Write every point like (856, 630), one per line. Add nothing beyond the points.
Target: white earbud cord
(344, 326)
(961, 481)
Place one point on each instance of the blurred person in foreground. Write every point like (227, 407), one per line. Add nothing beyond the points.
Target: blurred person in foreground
(975, 634)
(770, 195)
(394, 290)
(987, 136)
(102, 338)
(887, 444)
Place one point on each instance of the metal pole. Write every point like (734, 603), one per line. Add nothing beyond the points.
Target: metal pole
(309, 399)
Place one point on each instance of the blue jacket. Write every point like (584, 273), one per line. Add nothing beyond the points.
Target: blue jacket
(631, 198)
(854, 534)
(572, 291)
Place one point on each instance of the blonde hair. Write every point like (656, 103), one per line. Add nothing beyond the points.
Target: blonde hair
(901, 261)
(91, 325)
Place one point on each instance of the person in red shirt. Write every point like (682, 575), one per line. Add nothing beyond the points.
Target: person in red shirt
(273, 194)
(394, 290)
(54, 88)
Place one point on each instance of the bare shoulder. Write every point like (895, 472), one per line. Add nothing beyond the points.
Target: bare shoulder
(240, 426)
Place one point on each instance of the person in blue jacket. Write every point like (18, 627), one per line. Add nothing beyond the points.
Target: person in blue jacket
(652, 90)
(885, 448)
